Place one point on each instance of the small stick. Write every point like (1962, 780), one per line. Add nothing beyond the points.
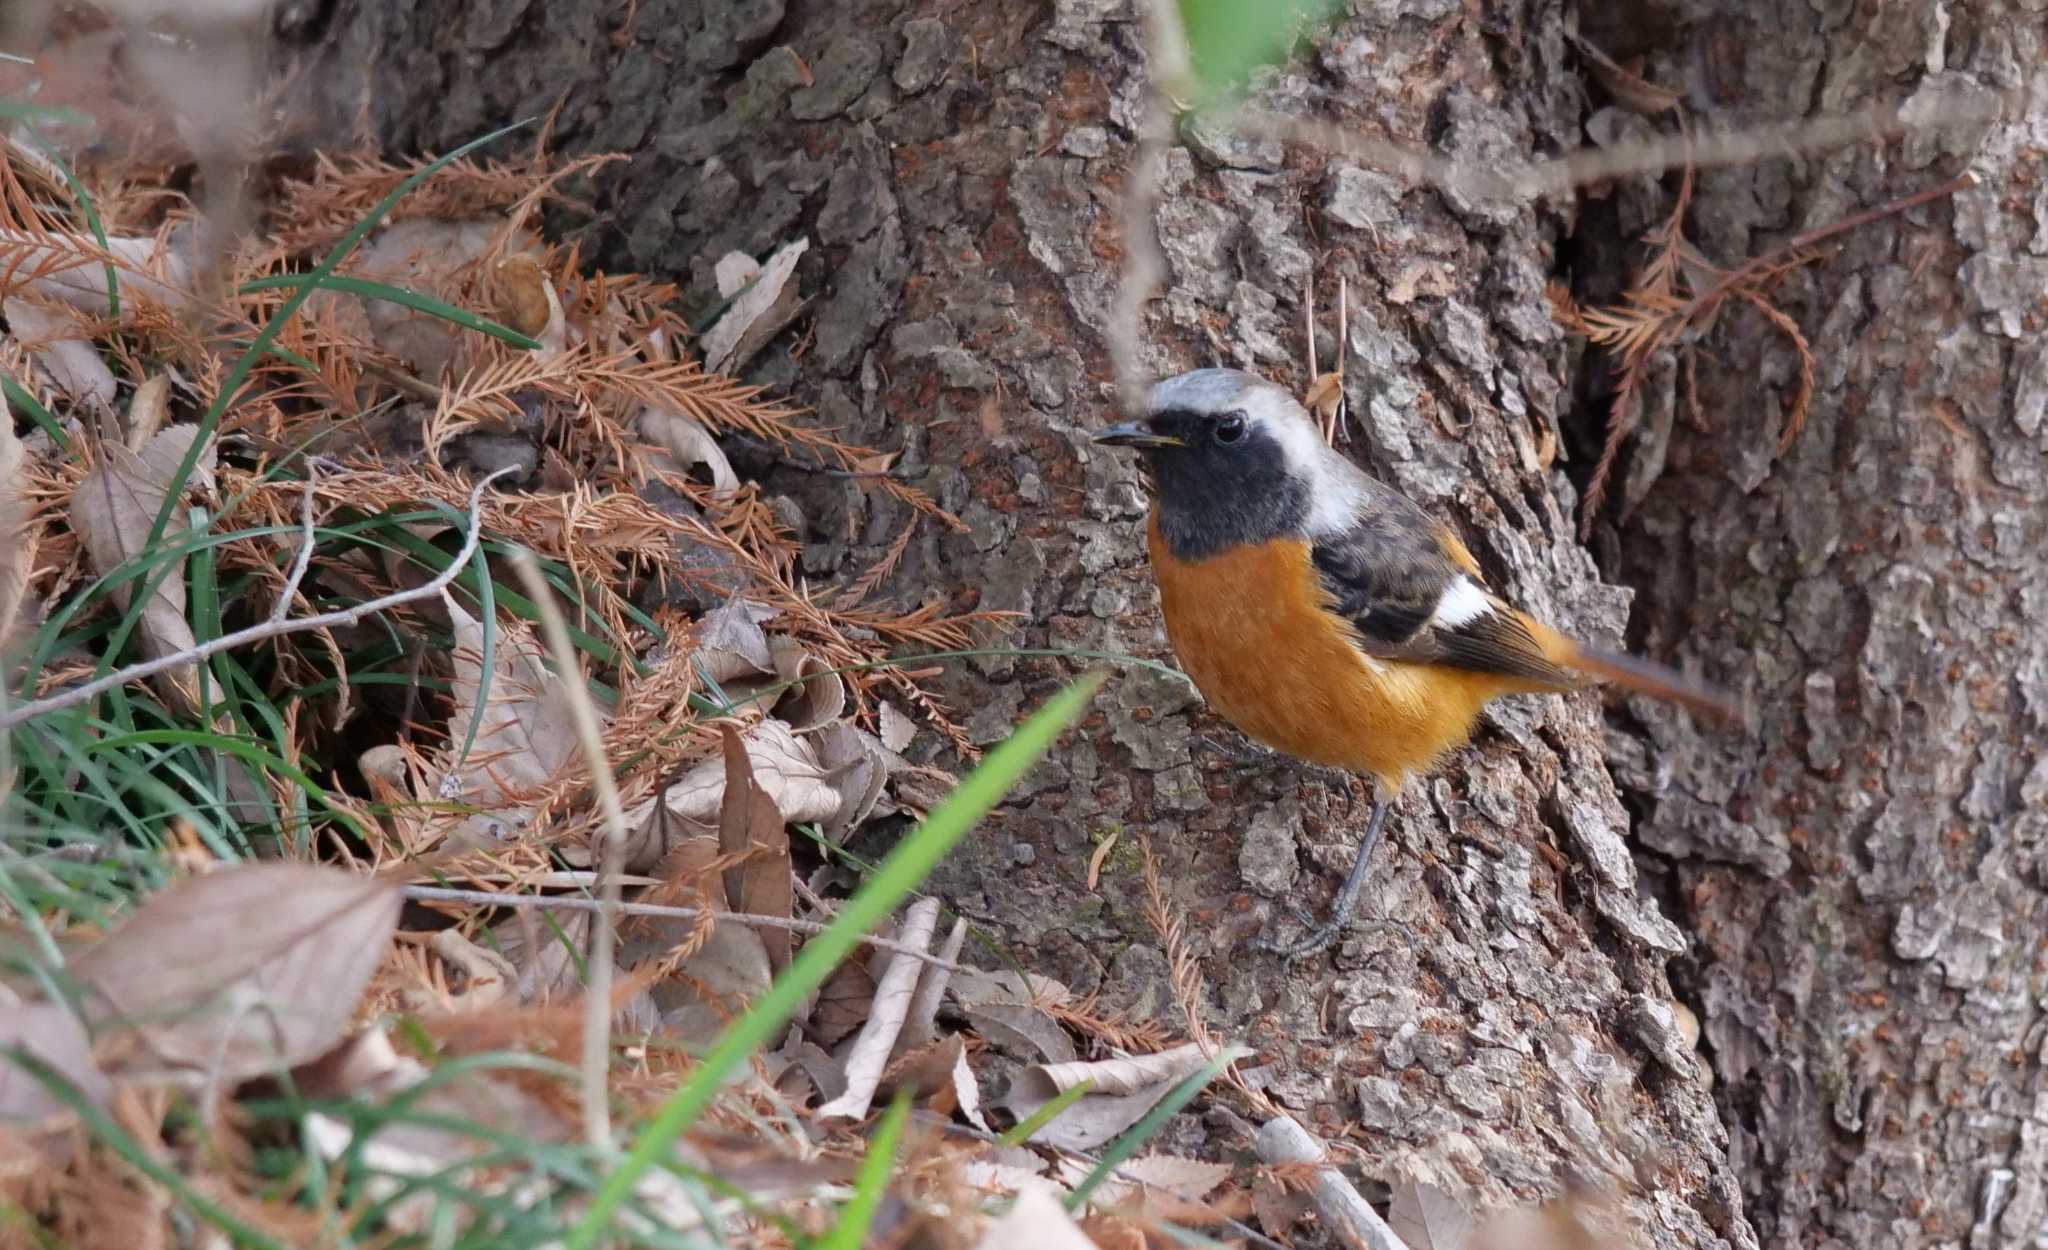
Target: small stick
(571, 902)
(75, 695)
(597, 996)
(305, 556)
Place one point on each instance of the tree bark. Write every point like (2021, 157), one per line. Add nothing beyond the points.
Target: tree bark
(959, 168)
(1863, 879)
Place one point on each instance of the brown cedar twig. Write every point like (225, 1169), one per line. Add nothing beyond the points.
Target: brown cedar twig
(75, 695)
(571, 902)
(597, 997)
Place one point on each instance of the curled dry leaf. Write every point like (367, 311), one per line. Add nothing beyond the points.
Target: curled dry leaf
(112, 511)
(757, 312)
(1038, 1220)
(526, 729)
(1123, 1091)
(148, 409)
(842, 1004)
(814, 696)
(685, 445)
(897, 729)
(17, 555)
(240, 972)
(526, 301)
(868, 1056)
(730, 645)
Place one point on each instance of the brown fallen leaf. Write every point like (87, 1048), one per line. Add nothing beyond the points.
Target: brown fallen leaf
(938, 1070)
(842, 1004)
(237, 973)
(112, 511)
(436, 258)
(813, 695)
(525, 731)
(714, 986)
(749, 824)
(1170, 1187)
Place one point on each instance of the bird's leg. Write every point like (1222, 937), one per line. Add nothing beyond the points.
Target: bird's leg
(1319, 936)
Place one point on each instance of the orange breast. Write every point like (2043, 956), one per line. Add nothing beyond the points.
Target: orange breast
(1252, 627)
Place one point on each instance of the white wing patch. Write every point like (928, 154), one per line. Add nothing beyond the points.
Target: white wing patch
(1461, 602)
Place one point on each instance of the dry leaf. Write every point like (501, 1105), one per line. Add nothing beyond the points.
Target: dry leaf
(749, 823)
(1427, 1218)
(1038, 1220)
(153, 273)
(939, 1070)
(715, 986)
(527, 731)
(1169, 1187)
(1627, 87)
(62, 349)
(816, 698)
(758, 312)
(843, 1003)
(684, 445)
(237, 973)
(53, 1033)
(526, 300)
(972, 987)
(1123, 1091)
(784, 765)
(112, 511)
(148, 409)
(729, 643)
(432, 257)
(17, 555)
(861, 765)
(869, 1053)
(897, 729)
(1025, 1030)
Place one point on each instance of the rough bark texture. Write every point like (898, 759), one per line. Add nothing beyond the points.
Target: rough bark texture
(1860, 884)
(1864, 879)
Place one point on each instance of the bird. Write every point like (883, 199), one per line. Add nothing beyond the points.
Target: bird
(1327, 615)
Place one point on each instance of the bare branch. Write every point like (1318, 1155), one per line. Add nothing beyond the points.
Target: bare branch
(75, 695)
(572, 902)
(1144, 267)
(1536, 178)
(1347, 1214)
(597, 997)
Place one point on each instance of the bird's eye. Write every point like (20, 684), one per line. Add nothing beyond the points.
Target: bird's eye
(1230, 427)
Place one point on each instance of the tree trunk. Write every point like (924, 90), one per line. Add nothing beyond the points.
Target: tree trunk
(959, 170)
(1863, 878)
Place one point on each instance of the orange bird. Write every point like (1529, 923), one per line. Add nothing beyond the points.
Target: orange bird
(1324, 613)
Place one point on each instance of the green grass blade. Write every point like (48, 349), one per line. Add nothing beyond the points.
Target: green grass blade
(1144, 1130)
(857, 1215)
(899, 873)
(398, 295)
(18, 396)
(1021, 1131)
(1228, 39)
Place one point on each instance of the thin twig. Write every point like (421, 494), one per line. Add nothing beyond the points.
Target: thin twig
(1525, 180)
(1144, 267)
(76, 695)
(572, 902)
(305, 556)
(597, 997)
(1345, 1212)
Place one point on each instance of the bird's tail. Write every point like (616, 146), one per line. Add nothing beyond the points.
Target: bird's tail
(1631, 673)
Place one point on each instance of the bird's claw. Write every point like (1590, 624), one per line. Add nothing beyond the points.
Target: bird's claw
(1318, 937)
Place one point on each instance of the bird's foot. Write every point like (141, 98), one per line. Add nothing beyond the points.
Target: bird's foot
(1318, 936)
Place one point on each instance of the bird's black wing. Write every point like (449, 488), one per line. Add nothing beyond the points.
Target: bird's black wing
(1388, 575)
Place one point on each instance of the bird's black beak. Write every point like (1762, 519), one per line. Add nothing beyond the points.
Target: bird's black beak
(1134, 434)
